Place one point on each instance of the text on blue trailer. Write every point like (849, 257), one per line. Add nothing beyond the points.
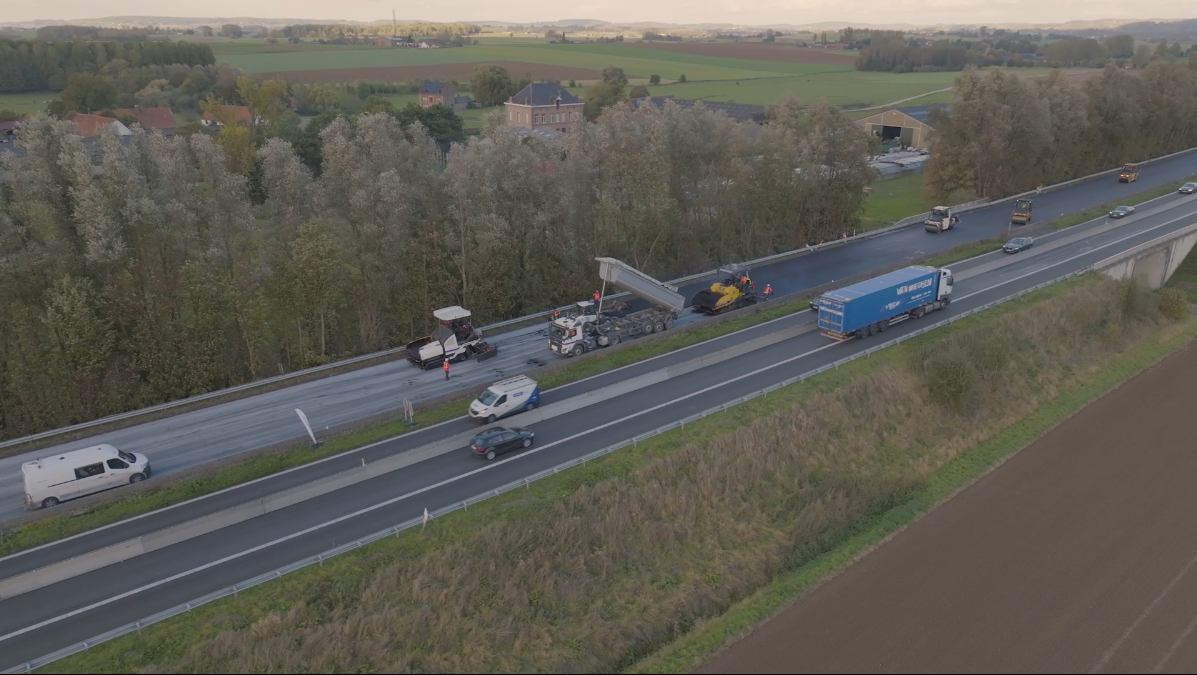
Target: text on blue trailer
(872, 306)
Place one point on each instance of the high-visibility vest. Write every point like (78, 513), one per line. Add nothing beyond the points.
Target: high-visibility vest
(445, 365)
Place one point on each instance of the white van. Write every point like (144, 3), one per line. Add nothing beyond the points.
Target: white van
(506, 397)
(80, 473)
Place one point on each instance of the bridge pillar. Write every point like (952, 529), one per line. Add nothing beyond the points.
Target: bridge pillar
(1153, 263)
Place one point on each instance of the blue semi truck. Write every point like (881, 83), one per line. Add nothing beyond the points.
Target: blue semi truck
(869, 307)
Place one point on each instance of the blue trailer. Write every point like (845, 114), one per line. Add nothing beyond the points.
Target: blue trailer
(872, 306)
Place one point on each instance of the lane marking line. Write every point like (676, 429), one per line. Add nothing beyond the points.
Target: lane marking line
(1079, 255)
(447, 481)
(375, 444)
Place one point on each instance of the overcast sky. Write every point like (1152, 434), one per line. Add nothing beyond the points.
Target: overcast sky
(673, 11)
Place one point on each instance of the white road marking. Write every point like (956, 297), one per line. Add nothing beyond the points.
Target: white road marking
(375, 444)
(487, 467)
(1079, 255)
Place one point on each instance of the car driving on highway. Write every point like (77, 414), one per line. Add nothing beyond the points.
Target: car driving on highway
(494, 442)
(1122, 211)
(1188, 188)
(1018, 244)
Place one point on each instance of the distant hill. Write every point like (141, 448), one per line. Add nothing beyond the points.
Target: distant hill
(1145, 29)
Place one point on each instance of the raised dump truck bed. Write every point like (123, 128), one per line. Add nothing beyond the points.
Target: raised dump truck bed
(631, 279)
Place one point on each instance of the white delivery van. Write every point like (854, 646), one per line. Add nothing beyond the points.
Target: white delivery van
(506, 397)
(80, 473)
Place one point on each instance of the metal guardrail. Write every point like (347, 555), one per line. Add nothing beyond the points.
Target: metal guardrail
(905, 222)
(233, 590)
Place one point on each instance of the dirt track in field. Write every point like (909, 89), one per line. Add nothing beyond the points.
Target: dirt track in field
(752, 50)
(1078, 554)
(444, 71)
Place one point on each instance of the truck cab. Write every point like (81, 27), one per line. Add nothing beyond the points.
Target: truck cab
(571, 334)
(1129, 173)
(944, 291)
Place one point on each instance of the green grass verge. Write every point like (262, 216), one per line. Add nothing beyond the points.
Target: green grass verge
(64, 525)
(695, 647)
(894, 199)
(346, 575)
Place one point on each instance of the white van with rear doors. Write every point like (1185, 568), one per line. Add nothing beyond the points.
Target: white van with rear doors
(506, 397)
(80, 473)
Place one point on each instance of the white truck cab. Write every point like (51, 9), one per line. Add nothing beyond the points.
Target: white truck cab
(80, 473)
(506, 397)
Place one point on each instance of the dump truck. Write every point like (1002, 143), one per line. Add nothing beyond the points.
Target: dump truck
(941, 219)
(590, 329)
(872, 306)
(728, 293)
(1022, 212)
(1129, 173)
(454, 339)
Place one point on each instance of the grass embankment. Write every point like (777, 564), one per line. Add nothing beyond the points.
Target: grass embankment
(596, 568)
(119, 507)
(1185, 276)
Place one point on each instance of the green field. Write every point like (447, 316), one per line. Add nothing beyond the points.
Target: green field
(634, 60)
(892, 200)
(27, 103)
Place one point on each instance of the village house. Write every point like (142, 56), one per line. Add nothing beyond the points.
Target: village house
(151, 119)
(544, 105)
(238, 113)
(436, 93)
(88, 126)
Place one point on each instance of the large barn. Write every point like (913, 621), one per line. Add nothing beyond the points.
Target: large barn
(908, 126)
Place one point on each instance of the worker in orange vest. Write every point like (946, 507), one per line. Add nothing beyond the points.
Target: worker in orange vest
(768, 291)
(445, 367)
(595, 296)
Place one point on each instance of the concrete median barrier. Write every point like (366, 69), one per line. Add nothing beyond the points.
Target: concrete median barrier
(89, 562)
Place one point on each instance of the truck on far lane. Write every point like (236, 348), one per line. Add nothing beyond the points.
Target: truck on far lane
(872, 306)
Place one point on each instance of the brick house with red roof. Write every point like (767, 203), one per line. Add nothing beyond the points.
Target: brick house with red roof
(151, 119)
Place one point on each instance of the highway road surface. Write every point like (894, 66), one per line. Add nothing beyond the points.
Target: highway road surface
(227, 429)
(41, 621)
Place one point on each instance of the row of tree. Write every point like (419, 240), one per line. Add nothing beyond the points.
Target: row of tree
(69, 32)
(1006, 135)
(36, 65)
(892, 51)
(332, 31)
(168, 273)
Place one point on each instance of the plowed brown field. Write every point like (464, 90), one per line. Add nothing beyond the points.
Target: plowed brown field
(445, 71)
(752, 50)
(1076, 555)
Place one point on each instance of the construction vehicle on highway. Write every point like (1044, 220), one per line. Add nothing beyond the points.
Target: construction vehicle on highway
(590, 328)
(872, 306)
(1129, 173)
(941, 219)
(455, 339)
(733, 291)
(1022, 212)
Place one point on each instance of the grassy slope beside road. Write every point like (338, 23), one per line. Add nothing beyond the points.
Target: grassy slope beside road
(596, 568)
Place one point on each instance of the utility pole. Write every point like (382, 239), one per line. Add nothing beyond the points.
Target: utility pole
(394, 27)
